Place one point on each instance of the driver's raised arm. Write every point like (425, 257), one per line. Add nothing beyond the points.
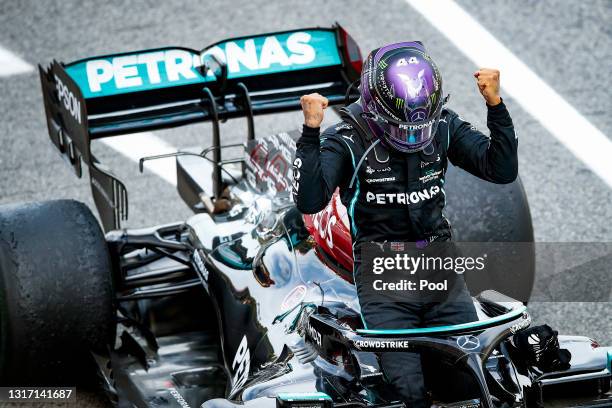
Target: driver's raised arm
(320, 162)
(491, 158)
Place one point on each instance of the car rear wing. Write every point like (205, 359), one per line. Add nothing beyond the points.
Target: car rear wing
(167, 87)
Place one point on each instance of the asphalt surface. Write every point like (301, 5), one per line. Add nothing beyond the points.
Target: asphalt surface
(567, 43)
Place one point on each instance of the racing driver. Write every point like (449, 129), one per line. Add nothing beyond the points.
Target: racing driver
(388, 156)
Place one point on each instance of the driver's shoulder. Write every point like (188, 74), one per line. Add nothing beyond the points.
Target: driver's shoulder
(342, 133)
(449, 122)
(339, 128)
(448, 115)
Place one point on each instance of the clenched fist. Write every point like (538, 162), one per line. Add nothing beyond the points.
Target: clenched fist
(313, 106)
(488, 84)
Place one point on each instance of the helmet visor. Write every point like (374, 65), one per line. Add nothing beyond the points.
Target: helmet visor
(407, 137)
(410, 136)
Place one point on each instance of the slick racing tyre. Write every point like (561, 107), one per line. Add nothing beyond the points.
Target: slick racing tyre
(499, 215)
(487, 212)
(56, 295)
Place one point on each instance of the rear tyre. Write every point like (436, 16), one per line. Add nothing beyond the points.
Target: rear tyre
(495, 213)
(56, 294)
(486, 212)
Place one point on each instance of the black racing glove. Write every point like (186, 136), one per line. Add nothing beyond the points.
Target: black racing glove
(540, 347)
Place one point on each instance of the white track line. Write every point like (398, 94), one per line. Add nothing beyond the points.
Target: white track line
(135, 146)
(572, 129)
(10, 64)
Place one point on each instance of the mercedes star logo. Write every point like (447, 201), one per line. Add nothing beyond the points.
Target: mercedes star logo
(468, 342)
(417, 116)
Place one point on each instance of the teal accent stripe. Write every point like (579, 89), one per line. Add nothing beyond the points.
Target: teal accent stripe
(362, 319)
(303, 396)
(443, 329)
(351, 209)
(610, 360)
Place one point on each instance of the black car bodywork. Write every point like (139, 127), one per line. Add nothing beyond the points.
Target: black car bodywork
(234, 305)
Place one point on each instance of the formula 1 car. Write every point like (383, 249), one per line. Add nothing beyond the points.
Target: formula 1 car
(248, 302)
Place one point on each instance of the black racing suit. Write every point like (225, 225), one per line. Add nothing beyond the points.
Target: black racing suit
(400, 197)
